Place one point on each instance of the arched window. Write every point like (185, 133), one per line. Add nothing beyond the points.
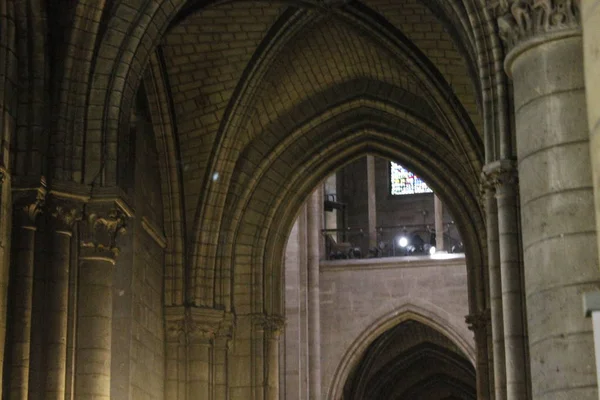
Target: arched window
(403, 182)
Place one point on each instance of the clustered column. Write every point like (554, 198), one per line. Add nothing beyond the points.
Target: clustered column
(545, 61)
(496, 315)
(94, 318)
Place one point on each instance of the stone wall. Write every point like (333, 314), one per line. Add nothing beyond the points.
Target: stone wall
(362, 298)
(138, 331)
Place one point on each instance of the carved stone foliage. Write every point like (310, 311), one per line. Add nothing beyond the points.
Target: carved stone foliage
(100, 230)
(479, 322)
(28, 205)
(64, 213)
(270, 324)
(198, 325)
(500, 176)
(519, 20)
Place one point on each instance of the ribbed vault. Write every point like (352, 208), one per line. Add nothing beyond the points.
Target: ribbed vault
(411, 361)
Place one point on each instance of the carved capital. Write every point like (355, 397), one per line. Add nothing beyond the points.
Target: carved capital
(63, 213)
(197, 325)
(270, 324)
(501, 175)
(3, 175)
(100, 230)
(521, 20)
(479, 322)
(28, 205)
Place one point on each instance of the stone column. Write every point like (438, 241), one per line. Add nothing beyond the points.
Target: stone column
(63, 215)
(497, 318)
(544, 59)
(438, 210)
(479, 323)
(273, 326)
(314, 314)
(26, 210)
(221, 357)
(199, 351)
(504, 177)
(371, 202)
(94, 320)
(175, 353)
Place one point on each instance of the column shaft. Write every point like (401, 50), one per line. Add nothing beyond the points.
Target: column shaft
(497, 317)
(559, 235)
(57, 303)
(512, 296)
(371, 201)
(20, 314)
(314, 211)
(478, 323)
(273, 365)
(199, 367)
(94, 329)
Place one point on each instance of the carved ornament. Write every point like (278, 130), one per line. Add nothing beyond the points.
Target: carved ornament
(501, 175)
(101, 229)
(64, 214)
(197, 325)
(520, 20)
(479, 322)
(272, 324)
(28, 205)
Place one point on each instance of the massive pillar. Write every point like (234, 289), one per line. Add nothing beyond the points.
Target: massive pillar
(28, 206)
(491, 209)
(371, 202)
(314, 215)
(63, 215)
(545, 62)
(94, 312)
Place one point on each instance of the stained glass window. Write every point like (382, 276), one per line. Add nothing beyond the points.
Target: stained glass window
(402, 181)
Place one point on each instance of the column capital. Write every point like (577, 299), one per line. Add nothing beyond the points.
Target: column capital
(479, 322)
(100, 228)
(197, 325)
(3, 174)
(271, 324)
(28, 204)
(521, 21)
(501, 175)
(64, 213)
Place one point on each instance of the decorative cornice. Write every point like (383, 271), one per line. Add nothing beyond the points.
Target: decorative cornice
(479, 322)
(154, 232)
(100, 229)
(522, 20)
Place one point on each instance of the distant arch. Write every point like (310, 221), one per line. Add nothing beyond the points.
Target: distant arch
(417, 310)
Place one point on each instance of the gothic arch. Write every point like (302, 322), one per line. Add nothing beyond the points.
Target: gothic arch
(419, 311)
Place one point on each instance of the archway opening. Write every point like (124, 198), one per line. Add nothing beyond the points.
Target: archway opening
(412, 361)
